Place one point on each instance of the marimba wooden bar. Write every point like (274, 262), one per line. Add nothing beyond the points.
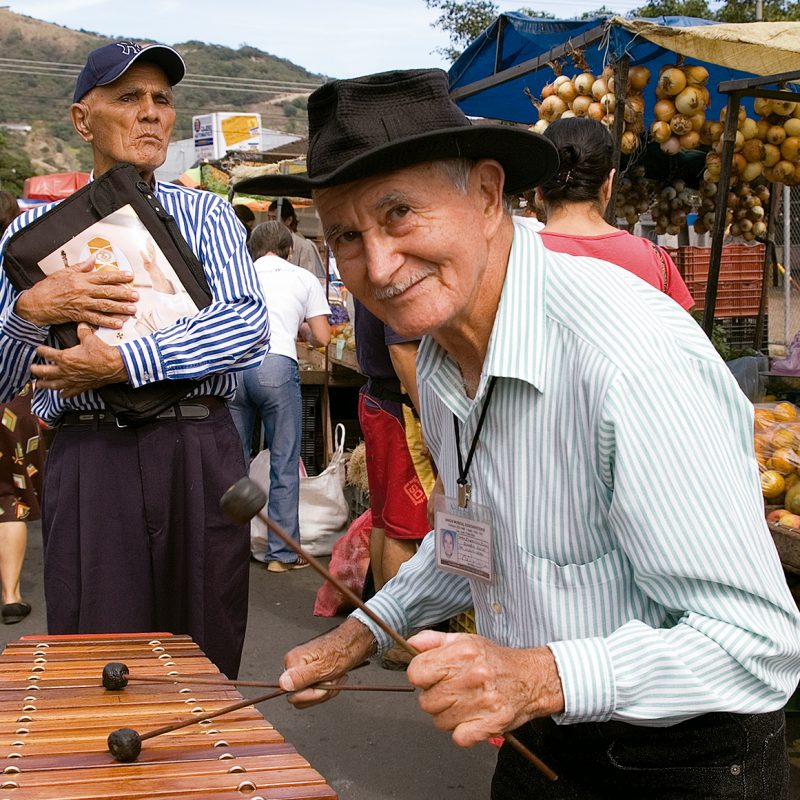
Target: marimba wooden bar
(55, 717)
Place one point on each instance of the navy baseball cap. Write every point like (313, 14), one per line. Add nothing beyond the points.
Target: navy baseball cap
(107, 63)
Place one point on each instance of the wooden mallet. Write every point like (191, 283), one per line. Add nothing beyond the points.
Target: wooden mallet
(245, 500)
(116, 676)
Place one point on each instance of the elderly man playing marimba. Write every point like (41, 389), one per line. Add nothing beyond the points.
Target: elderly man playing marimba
(576, 416)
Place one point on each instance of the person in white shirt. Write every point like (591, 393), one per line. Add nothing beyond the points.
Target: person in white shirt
(297, 306)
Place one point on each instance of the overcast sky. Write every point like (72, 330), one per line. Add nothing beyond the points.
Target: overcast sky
(338, 38)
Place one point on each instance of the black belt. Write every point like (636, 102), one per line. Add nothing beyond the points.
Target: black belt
(196, 408)
(387, 390)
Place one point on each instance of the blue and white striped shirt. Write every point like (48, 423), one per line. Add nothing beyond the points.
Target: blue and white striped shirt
(228, 335)
(629, 533)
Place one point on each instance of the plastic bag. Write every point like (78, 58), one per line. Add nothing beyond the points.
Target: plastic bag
(323, 506)
(349, 563)
(777, 447)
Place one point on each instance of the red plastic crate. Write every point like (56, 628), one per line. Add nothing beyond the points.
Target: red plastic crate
(734, 298)
(739, 262)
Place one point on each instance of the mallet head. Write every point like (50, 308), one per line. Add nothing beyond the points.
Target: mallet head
(243, 501)
(115, 676)
(124, 744)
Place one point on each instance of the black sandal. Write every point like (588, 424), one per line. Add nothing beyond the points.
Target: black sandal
(15, 612)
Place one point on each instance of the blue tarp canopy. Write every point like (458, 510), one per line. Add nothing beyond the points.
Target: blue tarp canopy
(514, 38)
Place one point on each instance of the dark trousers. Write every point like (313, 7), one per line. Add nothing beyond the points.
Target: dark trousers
(712, 756)
(134, 539)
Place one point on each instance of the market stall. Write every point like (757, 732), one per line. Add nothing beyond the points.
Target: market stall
(655, 83)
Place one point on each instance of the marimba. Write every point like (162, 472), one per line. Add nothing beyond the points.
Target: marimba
(55, 717)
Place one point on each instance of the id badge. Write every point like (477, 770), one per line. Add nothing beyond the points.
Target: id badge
(463, 538)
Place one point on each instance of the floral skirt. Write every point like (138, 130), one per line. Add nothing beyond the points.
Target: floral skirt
(21, 459)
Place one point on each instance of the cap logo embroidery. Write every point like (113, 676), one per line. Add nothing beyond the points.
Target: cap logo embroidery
(128, 48)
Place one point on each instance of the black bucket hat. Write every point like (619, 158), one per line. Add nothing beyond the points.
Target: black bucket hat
(392, 120)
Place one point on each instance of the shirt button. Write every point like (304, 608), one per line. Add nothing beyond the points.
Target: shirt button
(497, 608)
(736, 769)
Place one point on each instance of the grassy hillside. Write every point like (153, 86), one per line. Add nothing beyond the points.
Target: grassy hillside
(39, 62)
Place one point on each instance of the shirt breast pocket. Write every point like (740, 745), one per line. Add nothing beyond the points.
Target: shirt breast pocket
(577, 601)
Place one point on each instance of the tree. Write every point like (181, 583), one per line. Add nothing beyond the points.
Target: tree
(462, 21)
(730, 11)
(674, 8)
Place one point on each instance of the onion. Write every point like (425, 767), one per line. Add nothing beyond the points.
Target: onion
(695, 74)
(660, 131)
(583, 83)
(742, 116)
(753, 150)
(599, 88)
(566, 91)
(689, 101)
(552, 108)
(745, 225)
(672, 146)
(698, 120)
(772, 155)
(735, 230)
(548, 90)
(717, 129)
(738, 163)
(739, 142)
(699, 228)
(757, 212)
(638, 77)
(541, 126)
(628, 142)
(762, 106)
(759, 229)
(567, 114)
(763, 126)
(689, 141)
(708, 220)
(783, 107)
(664, 110)
(608, 120)
(790, 149)
(596, 111)
(672, 81)
(709, 189)
(559, 80)
(680, 124)
(634, 107)
(609, 102)
(752, 171)
(792, 126)
(776, 134)
(580, 105)
(783, 170)
(673, 230)
(750, 128)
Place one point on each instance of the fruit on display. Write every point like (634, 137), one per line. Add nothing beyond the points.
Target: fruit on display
(776, 441)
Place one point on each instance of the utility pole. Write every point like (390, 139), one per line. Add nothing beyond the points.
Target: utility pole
(759, 10)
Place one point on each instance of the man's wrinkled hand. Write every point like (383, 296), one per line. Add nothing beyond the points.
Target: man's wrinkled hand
(478, 689)
(326, 658)
(90, 364)
(78, 293)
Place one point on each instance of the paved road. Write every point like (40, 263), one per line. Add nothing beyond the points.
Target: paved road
(369, 746)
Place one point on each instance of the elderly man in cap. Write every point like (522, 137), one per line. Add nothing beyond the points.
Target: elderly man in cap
(134, 539)
(584, 429)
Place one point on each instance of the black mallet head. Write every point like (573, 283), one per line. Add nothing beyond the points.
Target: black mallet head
(243, 501)
(115, 676)
(124, 744)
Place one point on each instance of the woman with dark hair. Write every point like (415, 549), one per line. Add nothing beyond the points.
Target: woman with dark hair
(21, 464)
(575, 201)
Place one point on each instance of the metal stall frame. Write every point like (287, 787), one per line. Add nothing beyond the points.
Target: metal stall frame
(736, 90)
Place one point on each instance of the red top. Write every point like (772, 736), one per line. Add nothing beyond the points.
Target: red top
(633, 253)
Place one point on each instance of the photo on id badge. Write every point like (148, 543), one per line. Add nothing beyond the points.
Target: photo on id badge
(463, 538)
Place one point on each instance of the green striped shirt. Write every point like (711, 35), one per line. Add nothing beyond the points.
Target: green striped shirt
(628, 524)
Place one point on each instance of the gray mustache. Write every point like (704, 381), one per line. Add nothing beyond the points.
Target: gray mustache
(393, 289)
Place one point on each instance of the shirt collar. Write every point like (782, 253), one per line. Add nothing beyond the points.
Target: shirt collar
(518, 342)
